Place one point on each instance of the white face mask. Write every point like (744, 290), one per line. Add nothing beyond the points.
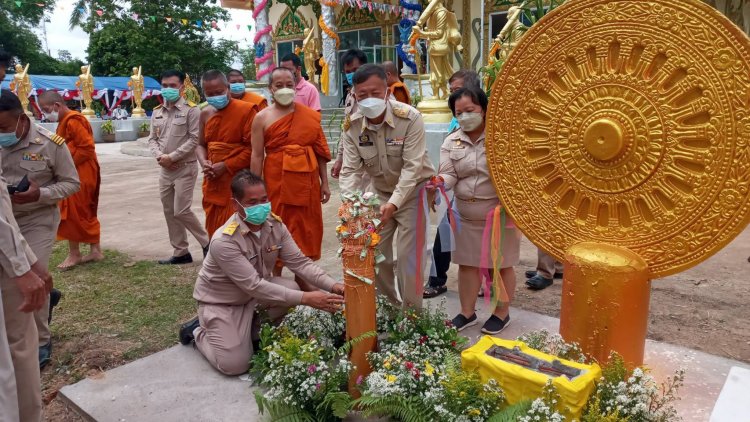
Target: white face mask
(284, 96)
(372, 108)
(469, 121)
(52, 116)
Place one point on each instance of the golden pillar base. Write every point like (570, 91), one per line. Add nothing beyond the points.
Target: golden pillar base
(435, 111)
(605, 301)
(138, 112)
(89, 113)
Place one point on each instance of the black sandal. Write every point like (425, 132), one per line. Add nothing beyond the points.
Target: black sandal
(431, 292)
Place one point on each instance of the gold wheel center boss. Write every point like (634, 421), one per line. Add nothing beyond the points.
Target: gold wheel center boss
(626, 123)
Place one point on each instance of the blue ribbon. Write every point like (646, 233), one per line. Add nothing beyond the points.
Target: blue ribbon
(404, 29)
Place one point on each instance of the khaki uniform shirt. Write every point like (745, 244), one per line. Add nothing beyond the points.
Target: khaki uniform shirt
(393, 154)
(16, 257)
(463, 166)
(239, 265)
(174, 131)
(44, 158)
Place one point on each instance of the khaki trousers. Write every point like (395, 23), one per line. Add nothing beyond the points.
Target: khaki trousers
(39, 228)
(546, 265)
(405, 222)
(176, 190)
(225, 333)
(23, 341)
(8, 392)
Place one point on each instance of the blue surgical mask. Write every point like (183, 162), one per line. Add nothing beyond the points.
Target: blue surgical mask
(237, 88)
(350, 78)
(170, 94)
(9, 139)
(218, 101)
(257, 214)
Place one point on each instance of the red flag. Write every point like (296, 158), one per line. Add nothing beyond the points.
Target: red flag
(100, 12)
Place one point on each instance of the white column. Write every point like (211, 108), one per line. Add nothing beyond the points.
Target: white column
(330, 54)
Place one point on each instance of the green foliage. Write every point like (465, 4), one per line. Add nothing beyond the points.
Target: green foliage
(511, 413)
(278, 411)
(247, 59)
(118, 42)
(403, 409)
(108, 127)
(144, 127)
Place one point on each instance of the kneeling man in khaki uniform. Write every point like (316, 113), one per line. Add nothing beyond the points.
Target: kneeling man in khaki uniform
(236, 279)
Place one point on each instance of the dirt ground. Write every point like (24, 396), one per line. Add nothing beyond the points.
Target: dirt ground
(704, 308)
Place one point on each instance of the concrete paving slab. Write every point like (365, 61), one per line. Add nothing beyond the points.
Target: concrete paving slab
(178, 384)
(733, 397)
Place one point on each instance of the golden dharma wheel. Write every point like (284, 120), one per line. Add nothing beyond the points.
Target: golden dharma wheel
(626, 123)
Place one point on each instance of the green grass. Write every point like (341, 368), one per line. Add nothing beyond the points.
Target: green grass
(114, 311)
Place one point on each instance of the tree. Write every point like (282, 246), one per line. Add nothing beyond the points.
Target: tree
(64, 56)
(247, 59)
(118, 42)
(17, 38)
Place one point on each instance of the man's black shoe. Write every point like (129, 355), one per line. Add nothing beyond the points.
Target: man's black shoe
(54, 299)
(186, 331)
(184, 259)
(45, 354)
(532, 273)
(431, 292)
(205, 251)
(538, 282)
(461, 322)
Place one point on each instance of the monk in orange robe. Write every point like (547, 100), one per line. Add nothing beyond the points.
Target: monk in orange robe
(237, 90)
(78, 213)
(290, 150)
(223, 147)
(397, 88)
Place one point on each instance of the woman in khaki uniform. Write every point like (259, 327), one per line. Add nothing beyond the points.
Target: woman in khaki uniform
(463, 167)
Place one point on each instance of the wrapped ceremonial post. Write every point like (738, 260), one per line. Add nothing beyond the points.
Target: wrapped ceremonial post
(356, 232)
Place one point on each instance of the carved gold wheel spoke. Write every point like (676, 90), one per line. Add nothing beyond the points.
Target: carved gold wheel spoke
(626, 122)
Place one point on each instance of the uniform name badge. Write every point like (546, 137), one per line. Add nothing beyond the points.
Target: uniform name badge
(32, 156)
(364, 141)
(395, 142)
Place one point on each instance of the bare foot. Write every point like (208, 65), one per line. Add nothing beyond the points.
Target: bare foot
(70, 262)
(94, 256)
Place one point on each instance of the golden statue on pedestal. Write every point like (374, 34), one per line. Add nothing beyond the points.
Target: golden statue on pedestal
(85, 85)
(311, 51)
(509, 36)
(190, 92)
(444, 37)
(21, 85)
(621, 148)
(136, 85)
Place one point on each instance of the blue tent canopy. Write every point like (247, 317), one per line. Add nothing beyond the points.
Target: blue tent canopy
(69, 82)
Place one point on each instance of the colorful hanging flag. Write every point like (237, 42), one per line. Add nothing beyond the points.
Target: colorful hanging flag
(199, 23)
(153, 18)
(213, 24)
(18, 3)
(169, 19)
(249, 27)
(100, 12)
(81, 10)
(238, 27)
(135, 16)
(184, 21)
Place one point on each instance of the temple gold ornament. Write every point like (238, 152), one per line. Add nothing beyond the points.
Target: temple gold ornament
(21, 86)
(190, 92)
(618, 141)
(85, 85)
(311, 49)
(136, 83)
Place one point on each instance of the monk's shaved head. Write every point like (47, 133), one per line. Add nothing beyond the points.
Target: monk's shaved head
(51, 96)
(235, 72)
(281, 70)
(390, 67)
(214, 75)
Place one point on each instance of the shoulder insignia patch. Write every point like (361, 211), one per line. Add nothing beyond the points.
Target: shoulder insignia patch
(400, 111)
(231, 228)
(203, 105)
(191, 104)
(55, 138)
(276, 217)
(347, 123)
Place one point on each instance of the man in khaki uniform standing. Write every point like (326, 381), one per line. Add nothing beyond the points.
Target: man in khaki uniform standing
(24, 288)
(236, 279)
(386, 140)
(42, 157)
(173, 139)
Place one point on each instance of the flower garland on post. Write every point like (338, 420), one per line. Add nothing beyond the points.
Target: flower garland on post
(262, 40)
(331, 43)
(359, 239)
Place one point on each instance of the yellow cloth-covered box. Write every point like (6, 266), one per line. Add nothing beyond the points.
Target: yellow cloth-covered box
(520, 383)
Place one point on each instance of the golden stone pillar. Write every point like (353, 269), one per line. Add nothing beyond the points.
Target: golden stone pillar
(619, 141)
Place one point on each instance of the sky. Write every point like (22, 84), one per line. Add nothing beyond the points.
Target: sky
(61, 37)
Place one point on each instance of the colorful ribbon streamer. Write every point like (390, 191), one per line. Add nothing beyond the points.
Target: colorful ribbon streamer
(492, 239)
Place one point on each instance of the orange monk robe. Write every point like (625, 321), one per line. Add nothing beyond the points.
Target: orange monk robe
(78, 221)
(253, 98)
(401, 92)
(293, 145)
(227, 137)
